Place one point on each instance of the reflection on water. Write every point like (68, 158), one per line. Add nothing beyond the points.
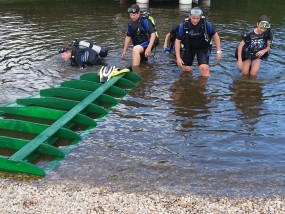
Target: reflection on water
(190, 99)
(248, 99)
(175, 132)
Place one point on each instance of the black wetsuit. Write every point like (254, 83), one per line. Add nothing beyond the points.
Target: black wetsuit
(194, 41)
(254, 43)
(83, 57)
(140, 31)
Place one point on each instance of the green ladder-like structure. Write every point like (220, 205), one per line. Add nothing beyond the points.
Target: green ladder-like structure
(43, 127)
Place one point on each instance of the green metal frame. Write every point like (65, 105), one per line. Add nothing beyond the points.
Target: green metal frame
(31, 127)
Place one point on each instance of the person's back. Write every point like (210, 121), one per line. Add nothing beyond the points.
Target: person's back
(83, 57)
(80, 57)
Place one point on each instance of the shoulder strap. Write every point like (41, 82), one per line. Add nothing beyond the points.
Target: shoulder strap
(151, 19)
(186, 26)
(205, 29)
(144, 22)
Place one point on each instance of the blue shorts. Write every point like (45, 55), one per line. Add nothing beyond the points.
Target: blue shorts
(145, 45)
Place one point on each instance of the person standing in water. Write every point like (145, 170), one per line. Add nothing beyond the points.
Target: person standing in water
(142, 33)
(254, 47)
(196, 34)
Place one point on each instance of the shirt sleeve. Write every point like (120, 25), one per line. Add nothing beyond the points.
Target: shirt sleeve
(210, 29)
(246, 36)
(173, 30)
(128, 29)
(270, 35)
(180, 32)
(150, 27)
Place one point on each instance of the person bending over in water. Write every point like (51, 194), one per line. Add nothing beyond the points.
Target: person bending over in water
(80, 57)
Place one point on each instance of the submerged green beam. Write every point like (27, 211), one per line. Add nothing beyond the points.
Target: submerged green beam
(66, 106)
(20, 166)
(50, 131)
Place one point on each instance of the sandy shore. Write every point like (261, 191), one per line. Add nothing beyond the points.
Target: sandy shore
(20, 197)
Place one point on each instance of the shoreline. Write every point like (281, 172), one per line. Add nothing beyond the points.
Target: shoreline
(19, 197)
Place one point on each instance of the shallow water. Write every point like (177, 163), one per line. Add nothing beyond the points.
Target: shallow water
(175, 132)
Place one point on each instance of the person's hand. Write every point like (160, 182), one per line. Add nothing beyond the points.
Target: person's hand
(180, 62)
(123, 56)
(219, 56)
(259, 54)
(239, 64)
(164, 46)
(147, 52)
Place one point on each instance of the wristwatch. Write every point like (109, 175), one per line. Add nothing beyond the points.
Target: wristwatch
(219, 52)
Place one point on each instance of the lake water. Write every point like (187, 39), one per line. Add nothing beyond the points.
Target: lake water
(175, 132)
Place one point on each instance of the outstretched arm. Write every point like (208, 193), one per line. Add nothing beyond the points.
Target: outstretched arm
(239, 54)
(217, 41)
(166, 40)
(126, 45)
(179, 60)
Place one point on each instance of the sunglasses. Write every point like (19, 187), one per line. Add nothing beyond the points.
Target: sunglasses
(264, 24)
(132, 10)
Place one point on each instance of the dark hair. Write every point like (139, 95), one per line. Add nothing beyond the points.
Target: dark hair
(264, 18)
